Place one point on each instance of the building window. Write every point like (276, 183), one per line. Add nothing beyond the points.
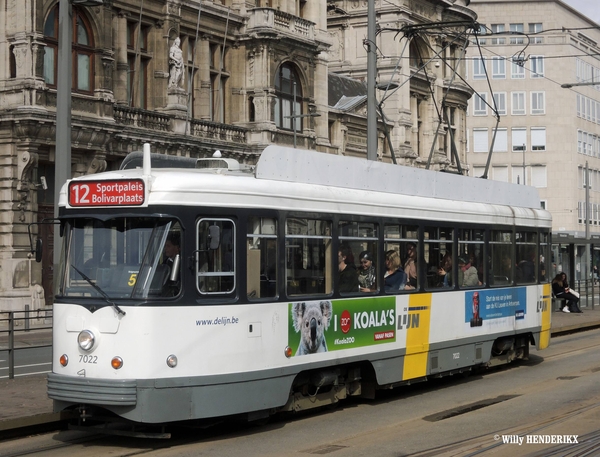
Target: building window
(480, 140)
(500, 100)
(138, 60)
(538, 138)
(498, 29)
(537, 66)
(500, 173)
(498, 68)
(479, 68)
(518, 175)
(538, 176)
(219, 77)
(535, 28)
(517, 32)
(538, 103)
(518, 103)
(517, 68)
(501, 141)
(289, 97)
(480, 104)
(481, 30)
(83, 51)
(519, 139)
(12, 62)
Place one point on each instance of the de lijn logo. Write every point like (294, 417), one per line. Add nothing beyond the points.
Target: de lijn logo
(408, 321)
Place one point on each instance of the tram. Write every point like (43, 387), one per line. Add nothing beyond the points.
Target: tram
(203, 288)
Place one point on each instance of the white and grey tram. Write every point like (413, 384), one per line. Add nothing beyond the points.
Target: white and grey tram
(247, 317)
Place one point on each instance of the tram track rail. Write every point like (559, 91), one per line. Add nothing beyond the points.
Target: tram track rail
(480, 445)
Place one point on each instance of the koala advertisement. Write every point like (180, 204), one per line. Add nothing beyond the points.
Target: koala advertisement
(331, 325)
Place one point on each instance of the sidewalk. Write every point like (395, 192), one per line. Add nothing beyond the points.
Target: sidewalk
(24, 400)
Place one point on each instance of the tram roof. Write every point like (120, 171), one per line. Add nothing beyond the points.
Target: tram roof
(302, 166)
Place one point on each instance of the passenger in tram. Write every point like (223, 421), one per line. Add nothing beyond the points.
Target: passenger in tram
(526, 269)
(410, 266)
(542, 269)
(348, 274)
(561, 290)
(467, 273)
(395, 277)
(367, 276)
(445, 271)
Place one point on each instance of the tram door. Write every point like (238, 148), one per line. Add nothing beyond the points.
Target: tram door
(46, 233)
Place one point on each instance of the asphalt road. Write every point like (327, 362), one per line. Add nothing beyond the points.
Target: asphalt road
(554, 394)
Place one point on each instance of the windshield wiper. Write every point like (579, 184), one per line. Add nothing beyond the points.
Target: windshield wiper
(100, 291)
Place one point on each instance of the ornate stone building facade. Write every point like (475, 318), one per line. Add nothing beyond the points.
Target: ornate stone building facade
(250, 69)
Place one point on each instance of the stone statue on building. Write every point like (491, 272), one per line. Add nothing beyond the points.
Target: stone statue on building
(175, 65)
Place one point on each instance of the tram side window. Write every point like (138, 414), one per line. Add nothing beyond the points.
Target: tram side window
(392, 233)
(471, 266)
(261, 265)
(308, 257)
(526, 257)
(544, 256)
(501, 260)
(359, 243)
(438, 256)
(215, 256)
(408, 253)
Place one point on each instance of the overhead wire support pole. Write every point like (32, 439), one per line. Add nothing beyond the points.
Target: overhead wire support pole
(371, 81)
(62, 160)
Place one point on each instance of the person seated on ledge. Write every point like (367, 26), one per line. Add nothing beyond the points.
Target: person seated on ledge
(570, 305)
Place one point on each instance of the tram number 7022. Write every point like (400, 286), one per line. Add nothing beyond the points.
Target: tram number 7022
(84, 358)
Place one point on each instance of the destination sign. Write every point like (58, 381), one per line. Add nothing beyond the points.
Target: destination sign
(107, 193)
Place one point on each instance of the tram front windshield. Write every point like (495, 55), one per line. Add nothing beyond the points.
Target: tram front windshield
(115, 258)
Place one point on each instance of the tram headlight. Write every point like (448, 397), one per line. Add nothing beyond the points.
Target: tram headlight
(86, 340)
(172, 361)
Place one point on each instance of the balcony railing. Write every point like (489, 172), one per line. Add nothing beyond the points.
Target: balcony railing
(265, 19)
(136, 117)
(215, 131)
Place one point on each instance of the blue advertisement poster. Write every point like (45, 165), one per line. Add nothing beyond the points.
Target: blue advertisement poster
(481, 305)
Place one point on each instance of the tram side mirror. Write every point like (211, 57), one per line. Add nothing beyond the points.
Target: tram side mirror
(38, 250)
(214, 237)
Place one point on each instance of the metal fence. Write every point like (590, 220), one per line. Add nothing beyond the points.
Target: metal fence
(25, 331)
(589, 292)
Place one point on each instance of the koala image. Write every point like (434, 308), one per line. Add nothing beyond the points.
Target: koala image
(311, 319)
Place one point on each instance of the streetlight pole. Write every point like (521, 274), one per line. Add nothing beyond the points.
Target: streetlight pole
(524, 180)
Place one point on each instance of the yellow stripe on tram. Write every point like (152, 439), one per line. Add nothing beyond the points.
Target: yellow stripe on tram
(546, 313)
(417, 336)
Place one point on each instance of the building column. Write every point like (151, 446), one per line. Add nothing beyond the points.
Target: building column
(204, 73)
(120, 82)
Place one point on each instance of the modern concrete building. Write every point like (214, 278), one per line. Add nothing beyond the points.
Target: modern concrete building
(193, 76)
(535, 66)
